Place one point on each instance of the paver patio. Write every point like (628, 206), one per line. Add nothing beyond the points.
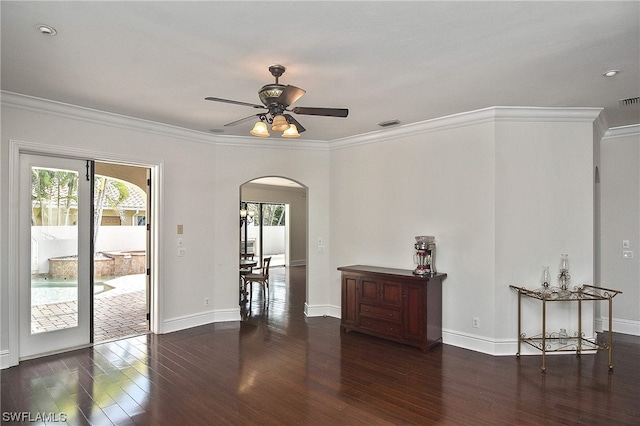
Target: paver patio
(119, 312)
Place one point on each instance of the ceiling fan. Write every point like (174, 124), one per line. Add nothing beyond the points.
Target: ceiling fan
(276, 99)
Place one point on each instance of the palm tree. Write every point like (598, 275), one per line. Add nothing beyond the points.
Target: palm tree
(41, 182)
(66, 186)
(111, 192)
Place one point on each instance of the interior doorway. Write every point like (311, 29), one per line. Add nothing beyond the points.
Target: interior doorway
(273, 223)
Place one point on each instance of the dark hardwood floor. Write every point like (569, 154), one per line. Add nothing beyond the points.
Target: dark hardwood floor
(279, 368)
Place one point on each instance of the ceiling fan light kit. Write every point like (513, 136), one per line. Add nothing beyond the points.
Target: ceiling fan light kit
(291, 132)
(279, 124)
(260, 129)
(276, 99)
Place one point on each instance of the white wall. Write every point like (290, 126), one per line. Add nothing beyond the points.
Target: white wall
(199, 188)
(544, 207)
(237, 164)
(620, 220)
(504, 191)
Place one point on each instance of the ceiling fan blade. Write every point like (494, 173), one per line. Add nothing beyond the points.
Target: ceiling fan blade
(233, 123)
(290, 94)
(329, 112)
(293, 121)
(227, 101)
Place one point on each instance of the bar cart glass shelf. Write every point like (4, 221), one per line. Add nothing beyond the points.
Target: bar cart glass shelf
(546, 341)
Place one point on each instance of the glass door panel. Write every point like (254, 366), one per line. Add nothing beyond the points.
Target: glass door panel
(54, 254)
(54, 249)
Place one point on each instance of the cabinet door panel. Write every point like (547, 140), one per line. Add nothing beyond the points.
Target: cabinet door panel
(414, 312)
(349, 300)
(391, 293)
(369, 290)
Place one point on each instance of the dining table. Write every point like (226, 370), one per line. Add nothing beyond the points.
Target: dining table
(246, 266)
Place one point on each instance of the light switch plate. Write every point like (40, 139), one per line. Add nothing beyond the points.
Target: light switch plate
(627, 254)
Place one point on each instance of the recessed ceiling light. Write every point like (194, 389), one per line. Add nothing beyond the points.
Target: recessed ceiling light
(611, 73)
(46, 29)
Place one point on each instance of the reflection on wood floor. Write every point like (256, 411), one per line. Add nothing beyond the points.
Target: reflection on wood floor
(278, 367)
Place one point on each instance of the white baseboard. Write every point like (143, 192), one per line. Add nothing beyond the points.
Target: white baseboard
(478, 343)
(618, 325)
(203, 318)
(5, 360)
(322, 310)
(495, 347)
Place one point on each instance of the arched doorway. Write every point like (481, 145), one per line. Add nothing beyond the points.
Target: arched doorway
(273, 224)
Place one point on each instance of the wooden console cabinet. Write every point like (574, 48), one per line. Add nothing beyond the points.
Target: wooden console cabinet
(393, 304)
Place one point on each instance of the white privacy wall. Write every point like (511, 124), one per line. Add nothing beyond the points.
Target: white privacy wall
(504, 191)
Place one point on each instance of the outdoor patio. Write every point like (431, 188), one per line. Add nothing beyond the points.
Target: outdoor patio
(119, 312)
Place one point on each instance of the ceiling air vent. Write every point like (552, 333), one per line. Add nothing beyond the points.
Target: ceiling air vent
(630, 101)
(388, 123)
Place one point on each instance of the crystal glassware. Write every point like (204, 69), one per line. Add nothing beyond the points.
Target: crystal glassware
(563, 337)
(546, 277)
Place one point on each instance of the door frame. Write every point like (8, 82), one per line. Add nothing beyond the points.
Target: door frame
(16, 148)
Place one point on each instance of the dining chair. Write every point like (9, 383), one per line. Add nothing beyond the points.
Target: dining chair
(246, 267)
(261, 277)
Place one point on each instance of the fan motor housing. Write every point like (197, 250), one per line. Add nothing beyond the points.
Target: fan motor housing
(269, 93)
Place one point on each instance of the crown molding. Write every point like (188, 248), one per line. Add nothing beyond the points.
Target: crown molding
(272, 143)
(485, 115)
(89, 115)
(622, 131)
(60, 109)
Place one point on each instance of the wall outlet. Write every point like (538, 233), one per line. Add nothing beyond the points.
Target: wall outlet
(475, 322)
(627, 254)
(206, 301)
(182, 252)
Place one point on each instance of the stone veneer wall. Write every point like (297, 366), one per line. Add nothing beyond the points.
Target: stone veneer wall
(114, 264)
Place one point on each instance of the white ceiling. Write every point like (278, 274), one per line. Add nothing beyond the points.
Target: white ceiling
(411, 61)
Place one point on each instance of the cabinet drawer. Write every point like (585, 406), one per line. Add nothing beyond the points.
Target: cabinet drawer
(381, 313)
(380, 326)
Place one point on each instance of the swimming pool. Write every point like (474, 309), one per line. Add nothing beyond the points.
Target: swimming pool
(46, 290)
